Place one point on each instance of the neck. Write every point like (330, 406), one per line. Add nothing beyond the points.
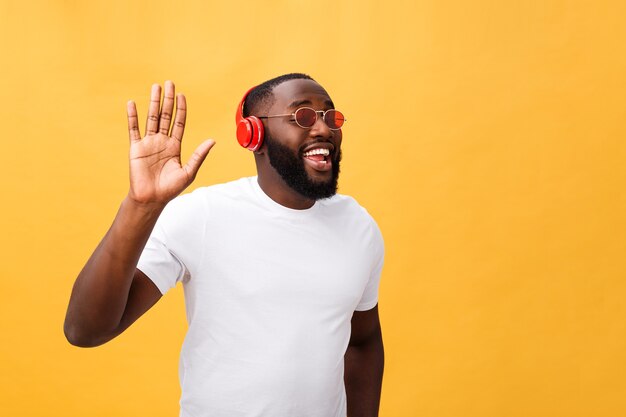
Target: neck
(275, 187)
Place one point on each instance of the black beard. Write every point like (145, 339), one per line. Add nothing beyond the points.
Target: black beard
(291, 169)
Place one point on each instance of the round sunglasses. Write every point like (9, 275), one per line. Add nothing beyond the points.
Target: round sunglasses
(305, 117)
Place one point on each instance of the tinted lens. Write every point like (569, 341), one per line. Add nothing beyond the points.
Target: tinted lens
(334, 119)
(305, 117)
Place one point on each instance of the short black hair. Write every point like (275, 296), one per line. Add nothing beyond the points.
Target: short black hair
(263, 94)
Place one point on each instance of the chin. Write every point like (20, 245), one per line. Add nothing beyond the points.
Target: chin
(299, 175)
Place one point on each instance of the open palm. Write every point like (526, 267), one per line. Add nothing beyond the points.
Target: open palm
(156, 172)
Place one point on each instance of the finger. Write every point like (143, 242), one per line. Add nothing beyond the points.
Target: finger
(133, 122)
(197, 158)
(167, 109)
(179, 121)
(152, 123)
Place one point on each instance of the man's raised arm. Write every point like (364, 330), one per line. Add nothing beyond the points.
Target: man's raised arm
(110, 293)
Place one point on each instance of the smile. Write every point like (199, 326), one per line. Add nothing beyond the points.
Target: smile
(318, 151)
(318, 159)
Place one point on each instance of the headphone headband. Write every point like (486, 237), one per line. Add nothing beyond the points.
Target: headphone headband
(239, 114)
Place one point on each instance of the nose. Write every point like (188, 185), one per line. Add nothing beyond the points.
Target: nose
(320, 128)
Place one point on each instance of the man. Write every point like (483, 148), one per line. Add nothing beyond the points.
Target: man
(280, 273)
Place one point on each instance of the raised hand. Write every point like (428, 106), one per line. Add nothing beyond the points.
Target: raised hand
(156, 172)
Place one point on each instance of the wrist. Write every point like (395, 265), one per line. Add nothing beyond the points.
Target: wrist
(144, 208)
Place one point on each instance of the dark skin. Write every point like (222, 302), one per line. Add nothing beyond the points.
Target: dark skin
(288, 96)
(110, 293)
(364, 362)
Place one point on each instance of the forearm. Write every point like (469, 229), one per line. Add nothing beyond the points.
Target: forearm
(101, 289)
(363, 377)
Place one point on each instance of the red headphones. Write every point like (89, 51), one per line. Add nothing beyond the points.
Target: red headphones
(249, 129)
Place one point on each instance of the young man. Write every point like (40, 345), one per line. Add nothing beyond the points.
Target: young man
(280, 273)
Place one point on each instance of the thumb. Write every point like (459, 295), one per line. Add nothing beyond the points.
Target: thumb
(197, 158)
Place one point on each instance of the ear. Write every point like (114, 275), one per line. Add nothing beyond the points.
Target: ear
(262, 148)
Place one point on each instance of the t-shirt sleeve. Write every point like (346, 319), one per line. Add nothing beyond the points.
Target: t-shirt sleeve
(163, 258)
(370, 295)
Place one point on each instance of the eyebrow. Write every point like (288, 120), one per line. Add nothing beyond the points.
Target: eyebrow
(299, 103)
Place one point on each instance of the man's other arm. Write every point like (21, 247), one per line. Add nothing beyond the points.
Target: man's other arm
(364, 363)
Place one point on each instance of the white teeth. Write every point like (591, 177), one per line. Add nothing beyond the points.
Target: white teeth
(318, 151)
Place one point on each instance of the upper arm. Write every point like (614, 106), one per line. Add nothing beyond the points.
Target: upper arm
(365, 327)
(142, 296)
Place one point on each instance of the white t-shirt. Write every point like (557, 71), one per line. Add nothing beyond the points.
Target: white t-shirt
(269, 293)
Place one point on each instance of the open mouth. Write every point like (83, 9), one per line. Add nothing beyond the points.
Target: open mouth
(318, 158)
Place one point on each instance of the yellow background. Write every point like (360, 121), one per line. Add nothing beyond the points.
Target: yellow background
(486, 137)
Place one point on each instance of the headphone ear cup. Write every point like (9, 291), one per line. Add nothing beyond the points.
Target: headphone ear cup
(258, 133)
(249, 129)
(250, 133)
(244, 132)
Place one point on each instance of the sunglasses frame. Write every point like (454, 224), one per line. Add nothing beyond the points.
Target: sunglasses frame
(317, 112)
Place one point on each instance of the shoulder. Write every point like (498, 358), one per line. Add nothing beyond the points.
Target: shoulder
(341, 204)
(236, 189)
(231, 188)
(348, 211)
(197, 204)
